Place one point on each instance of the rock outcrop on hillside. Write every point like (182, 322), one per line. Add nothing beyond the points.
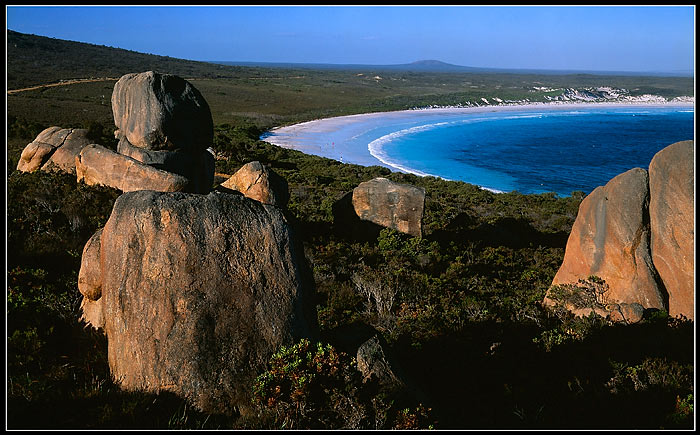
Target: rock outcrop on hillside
(165, 130)
(636, 233)
(163, 121)
(254, 180)
(391, 205)
(55, 148)
(195, 293)
(671, 210)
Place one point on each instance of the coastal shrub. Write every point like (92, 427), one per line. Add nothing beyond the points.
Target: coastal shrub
(586, 293)
(51, 216)
(23, 128)
(311, 386)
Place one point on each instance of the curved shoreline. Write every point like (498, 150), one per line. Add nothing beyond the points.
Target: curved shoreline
(319, 136)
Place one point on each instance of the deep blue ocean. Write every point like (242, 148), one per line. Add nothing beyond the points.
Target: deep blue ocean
(529, 150)
(536, 151)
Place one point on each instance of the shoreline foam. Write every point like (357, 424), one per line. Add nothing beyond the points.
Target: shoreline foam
(292, 136)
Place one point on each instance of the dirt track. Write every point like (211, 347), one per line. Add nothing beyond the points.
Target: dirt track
(61, 83)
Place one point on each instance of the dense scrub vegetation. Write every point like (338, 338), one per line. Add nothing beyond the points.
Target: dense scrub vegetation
(460, 307)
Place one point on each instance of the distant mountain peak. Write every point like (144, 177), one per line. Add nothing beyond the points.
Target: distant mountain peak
(431, 62)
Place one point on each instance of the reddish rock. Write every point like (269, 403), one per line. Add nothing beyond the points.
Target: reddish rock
(92, 313)
(390, 204)
(627, 313)
(53, 148)
(34, 155)
(198, 292)
(257, 182)
(671, 216)
(97, 165)
(63, 158)
(90, 274)
(610, 240)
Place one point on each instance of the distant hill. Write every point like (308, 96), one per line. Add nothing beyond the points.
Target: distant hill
(33, 60)
(443, 67)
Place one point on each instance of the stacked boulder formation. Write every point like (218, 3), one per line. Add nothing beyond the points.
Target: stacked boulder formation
(164, 122)
(637, 234)
(164, 127)
(194, 289)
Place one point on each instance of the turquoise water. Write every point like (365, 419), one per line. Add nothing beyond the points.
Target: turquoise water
(529, 151)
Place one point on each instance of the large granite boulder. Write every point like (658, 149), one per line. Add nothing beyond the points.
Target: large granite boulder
(97, 165)
(391, 205)
(254, 180)
(196, 293)
(55, 148)
(671, 216)
(637, 233)
(610, 240)
(161, 112)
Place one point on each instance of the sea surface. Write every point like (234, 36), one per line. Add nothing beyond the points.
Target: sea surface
(533, 150)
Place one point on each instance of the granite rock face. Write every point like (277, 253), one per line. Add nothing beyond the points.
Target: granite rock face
(196, 166)
(671, 214)
(161, 112)
(164, 122)
(97, 165)
(54, 148)
(260, 183)
(197, 293)
(391, 205)
(636, 233)
(63, 158)
(610, 239)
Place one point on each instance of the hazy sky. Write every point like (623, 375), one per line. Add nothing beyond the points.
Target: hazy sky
(645, 38)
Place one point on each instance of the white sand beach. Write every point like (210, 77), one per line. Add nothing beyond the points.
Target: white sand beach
(340, 138)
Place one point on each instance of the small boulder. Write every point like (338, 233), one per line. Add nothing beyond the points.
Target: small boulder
(97, 165)
(671, 218)
(372, 360)
(34, 155)
(254, 180)
(391, 205)
(161, 112)
(53, 148)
